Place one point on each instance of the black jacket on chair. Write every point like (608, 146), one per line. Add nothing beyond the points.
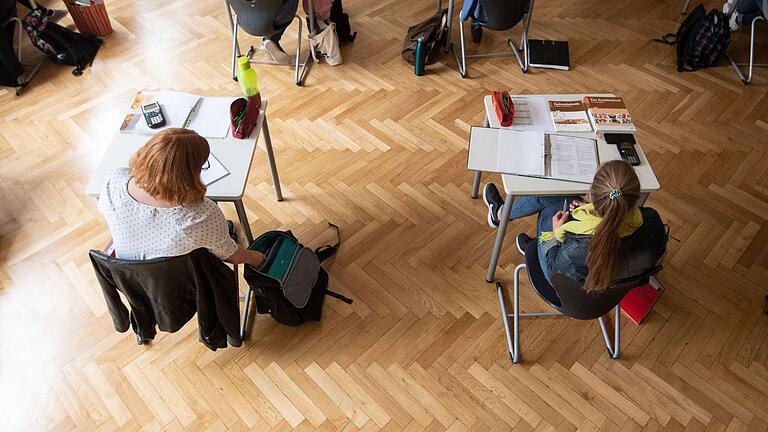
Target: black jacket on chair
(168, 291)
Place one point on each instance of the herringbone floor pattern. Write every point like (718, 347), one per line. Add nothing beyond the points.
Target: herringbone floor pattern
(380, 152)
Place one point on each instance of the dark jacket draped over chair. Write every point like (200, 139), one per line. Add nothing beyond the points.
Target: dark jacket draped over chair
(167, 292)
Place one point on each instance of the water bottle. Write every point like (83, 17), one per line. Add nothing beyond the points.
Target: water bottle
(249, 82)
(418, 67)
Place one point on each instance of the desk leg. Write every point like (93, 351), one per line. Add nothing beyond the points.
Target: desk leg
(244, 220)
(271, 157)
(478, 174)
(476, 184)
(500, 232)
(642, 199)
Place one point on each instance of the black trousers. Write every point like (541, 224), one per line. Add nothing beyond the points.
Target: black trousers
(10, 68)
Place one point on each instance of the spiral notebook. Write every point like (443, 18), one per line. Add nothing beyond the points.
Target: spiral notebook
(534, 154)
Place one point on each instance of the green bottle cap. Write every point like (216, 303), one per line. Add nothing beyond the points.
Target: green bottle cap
(244, 63)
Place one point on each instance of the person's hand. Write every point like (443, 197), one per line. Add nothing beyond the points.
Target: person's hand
(574, 204)
(256, 259)
(559, 219)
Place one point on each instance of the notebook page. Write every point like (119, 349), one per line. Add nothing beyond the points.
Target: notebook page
(483, 149)
(573, 158)
(521, 153)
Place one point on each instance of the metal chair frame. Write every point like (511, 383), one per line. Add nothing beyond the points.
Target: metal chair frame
(461, 61)
(513, 336)
(751, 64)
(22, 80)
(300, 68)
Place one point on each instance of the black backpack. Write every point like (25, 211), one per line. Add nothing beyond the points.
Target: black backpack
(284, 303)
(341, 19)
(701, 39)
(61, 44)
(433, 31)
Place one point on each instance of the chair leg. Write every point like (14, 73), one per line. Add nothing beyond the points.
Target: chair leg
(302, 68)
(513, 336)
(246, 311)
(235, 50)
(614, 349)
(751, 64)
(686, 3)
(461, 63)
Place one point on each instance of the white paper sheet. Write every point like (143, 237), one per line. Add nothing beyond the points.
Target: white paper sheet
(573, 158)
(175, 107)
(213, 171)
(531, 114)
(506, 151)
(211, 119)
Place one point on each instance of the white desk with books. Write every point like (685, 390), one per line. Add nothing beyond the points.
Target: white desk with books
(231, 156)
(537, 118)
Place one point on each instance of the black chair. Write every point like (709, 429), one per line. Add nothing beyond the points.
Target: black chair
(568, 298)
(256, 17)
(501, 15)
(135, 279)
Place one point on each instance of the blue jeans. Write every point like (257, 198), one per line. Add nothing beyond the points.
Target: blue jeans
(748, 10)
(545, 207)
(283, 19)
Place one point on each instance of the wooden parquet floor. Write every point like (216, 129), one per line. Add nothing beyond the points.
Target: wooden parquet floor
(382, 153)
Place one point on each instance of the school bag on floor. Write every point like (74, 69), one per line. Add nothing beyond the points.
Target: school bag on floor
(432, 31)
(61, 44)
(291, 285)
(701, 39)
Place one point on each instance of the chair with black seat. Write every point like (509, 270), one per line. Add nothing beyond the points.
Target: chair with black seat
(568, 298)
(162, 292)
(500, 15)
(256, 17)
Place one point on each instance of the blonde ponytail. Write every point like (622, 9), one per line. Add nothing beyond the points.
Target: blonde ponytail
(615, 191)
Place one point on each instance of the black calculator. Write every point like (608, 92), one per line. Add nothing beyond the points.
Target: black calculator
(153, 115)
(626, 145)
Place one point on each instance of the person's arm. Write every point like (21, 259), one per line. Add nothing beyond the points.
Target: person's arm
(246, 256)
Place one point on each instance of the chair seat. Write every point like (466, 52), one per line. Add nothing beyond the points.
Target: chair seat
(539, 282)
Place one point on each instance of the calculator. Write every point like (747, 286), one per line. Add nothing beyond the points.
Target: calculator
(153, 115)
(626, 145)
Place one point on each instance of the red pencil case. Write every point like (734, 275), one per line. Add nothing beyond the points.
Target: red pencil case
(243, 114)
(505, 109)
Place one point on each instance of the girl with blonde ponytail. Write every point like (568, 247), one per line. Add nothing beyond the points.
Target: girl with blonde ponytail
(595, 242)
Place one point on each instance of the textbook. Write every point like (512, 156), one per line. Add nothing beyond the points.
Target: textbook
(533, 154)
(608, 114)
(637, 304)
(569, 116)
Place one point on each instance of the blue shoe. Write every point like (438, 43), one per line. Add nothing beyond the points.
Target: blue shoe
(493, 200)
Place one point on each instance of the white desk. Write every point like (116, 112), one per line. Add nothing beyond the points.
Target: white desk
(521, 186)
(235, 154)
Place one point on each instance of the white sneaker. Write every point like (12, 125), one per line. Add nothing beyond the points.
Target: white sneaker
(278, 55)
(732, 23)
(729, 7)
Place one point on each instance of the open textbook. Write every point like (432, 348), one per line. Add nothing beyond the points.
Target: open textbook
(536, 154)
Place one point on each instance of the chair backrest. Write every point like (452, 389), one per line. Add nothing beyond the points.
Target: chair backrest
(578, 303)
(256, 17)
(502, 15)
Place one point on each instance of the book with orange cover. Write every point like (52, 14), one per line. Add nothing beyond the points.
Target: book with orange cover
(608, 114)
(637, 304)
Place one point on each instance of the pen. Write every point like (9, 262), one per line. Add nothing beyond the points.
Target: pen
(565, 205)
(192, 112)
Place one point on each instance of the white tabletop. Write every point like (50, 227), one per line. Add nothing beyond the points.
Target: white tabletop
(520, 185)
(235, 154)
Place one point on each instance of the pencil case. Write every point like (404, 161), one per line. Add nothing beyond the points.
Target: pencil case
(243, 114)
(505, 109)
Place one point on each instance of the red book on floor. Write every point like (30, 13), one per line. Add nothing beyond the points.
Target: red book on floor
(637, 304)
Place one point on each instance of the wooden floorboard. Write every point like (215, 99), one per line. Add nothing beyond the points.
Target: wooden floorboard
(382, 153)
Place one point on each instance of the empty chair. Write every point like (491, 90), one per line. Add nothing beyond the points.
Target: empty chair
(256, 17)
(568, 298)
(499, 15)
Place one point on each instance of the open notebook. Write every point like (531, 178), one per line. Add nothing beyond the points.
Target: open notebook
(535, 154)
